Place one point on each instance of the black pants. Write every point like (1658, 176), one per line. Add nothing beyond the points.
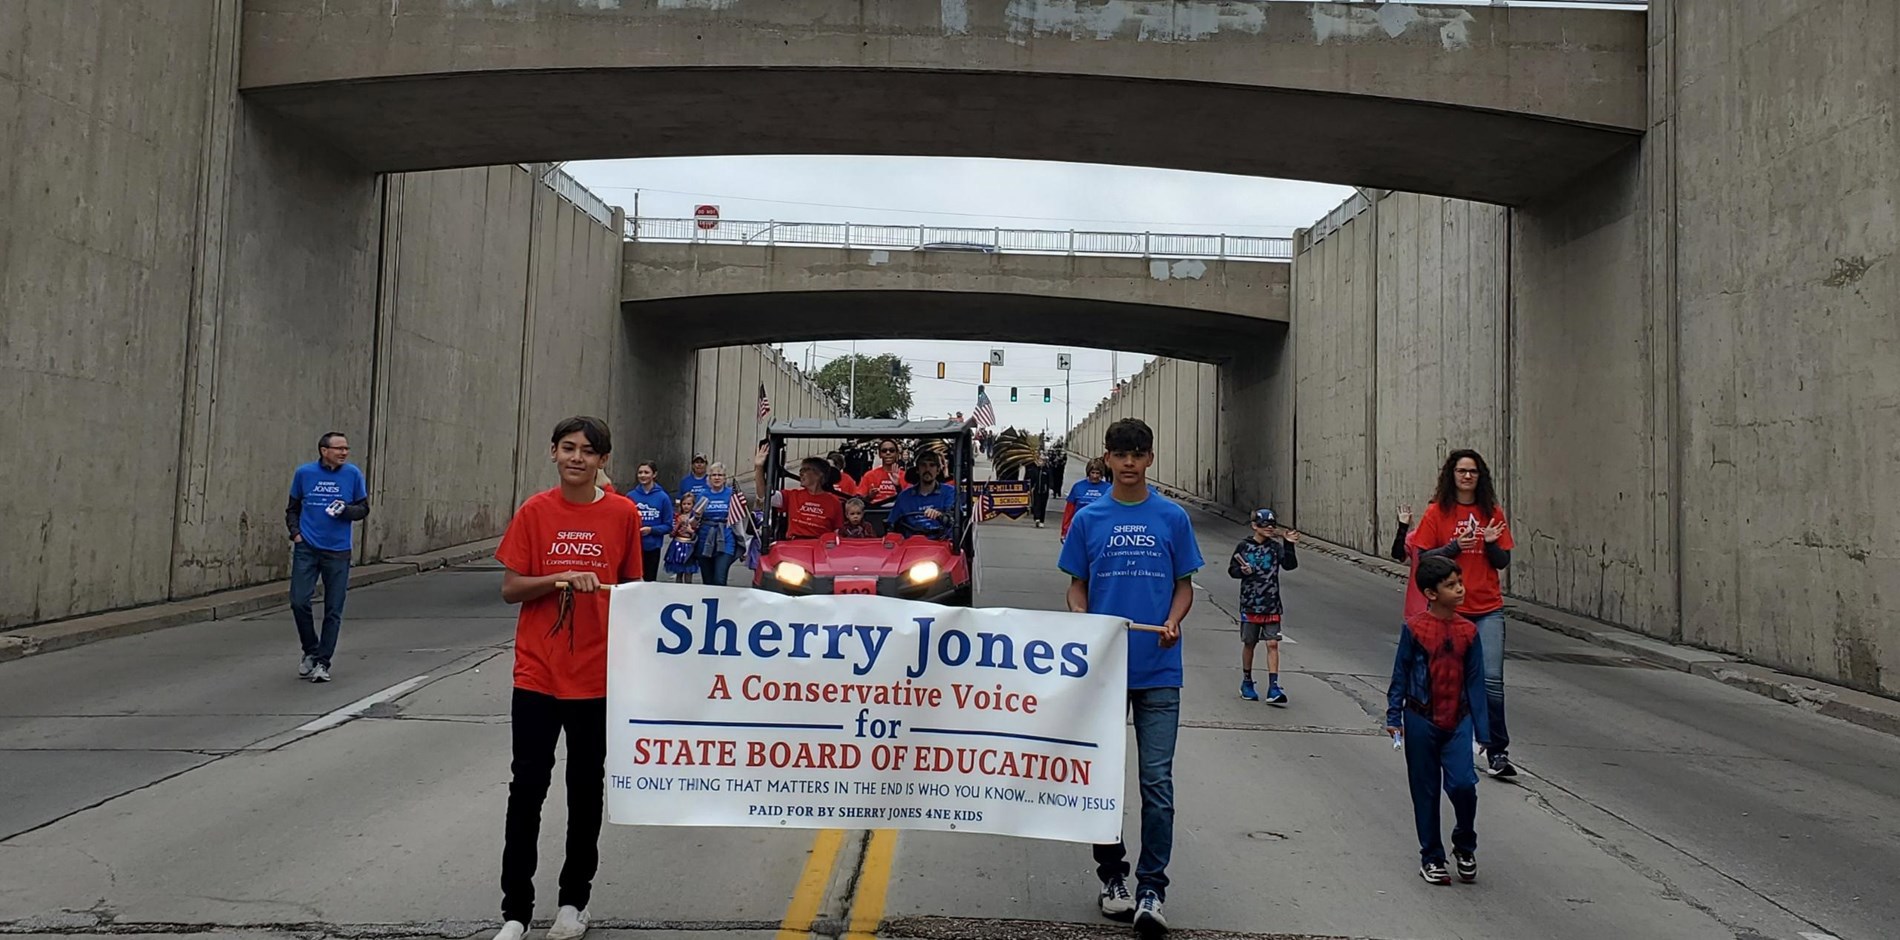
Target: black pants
(651, 561)
(538, 720)
(1039, 504)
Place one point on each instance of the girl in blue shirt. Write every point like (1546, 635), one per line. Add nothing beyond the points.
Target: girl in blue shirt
(656, 517)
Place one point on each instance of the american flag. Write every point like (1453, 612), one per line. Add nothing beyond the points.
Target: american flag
(984, 415)
(765, 403)
(736, 509)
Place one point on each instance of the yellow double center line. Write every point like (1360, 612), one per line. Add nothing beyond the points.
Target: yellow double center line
(867, 901)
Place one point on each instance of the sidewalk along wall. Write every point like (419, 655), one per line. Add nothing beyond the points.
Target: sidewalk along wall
(725, 401)
(1181, 401)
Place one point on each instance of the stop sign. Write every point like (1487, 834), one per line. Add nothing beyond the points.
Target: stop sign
(706, 216)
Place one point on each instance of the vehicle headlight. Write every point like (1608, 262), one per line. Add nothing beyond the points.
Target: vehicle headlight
(790, 572)
(923, 572)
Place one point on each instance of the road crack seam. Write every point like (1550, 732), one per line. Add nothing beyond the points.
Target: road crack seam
(1669, 887)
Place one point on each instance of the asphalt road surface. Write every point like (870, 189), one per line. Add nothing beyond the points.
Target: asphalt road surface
(185, 782)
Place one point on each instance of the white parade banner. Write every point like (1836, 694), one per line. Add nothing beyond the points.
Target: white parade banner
(737, 707)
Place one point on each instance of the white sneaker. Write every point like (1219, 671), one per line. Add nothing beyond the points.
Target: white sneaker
(569, 924)
(304, 666)
(1116, 902)
(512, 930)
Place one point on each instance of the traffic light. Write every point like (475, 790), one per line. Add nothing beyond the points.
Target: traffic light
(1012, 393)
(940, 370)
(1045, 396)
(986, 373)
(897, 369)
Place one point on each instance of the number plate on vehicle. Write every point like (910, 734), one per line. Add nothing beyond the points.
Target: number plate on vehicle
(855, 586)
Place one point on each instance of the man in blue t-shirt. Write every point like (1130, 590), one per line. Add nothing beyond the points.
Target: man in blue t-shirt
(1132, 554)
(695, 482)
(326, 496)
(926, 508)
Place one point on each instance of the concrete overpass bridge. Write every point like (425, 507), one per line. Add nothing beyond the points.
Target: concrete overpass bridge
(1494, 104)
(701, 294)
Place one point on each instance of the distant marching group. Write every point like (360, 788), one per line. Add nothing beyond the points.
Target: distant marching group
(1129, 552)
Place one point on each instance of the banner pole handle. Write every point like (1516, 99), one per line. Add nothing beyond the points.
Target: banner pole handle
(1147, 628)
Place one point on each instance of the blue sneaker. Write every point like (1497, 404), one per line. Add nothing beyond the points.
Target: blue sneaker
(1247, 691)
(1275, 696)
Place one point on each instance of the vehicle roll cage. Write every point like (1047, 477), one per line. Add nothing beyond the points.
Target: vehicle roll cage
(855, 435)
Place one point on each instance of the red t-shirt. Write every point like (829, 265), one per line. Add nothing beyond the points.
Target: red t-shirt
(880, 485)
(1438, 528)
(1415, 602)
(846, 484)
(550, 535)
(1445, 643)
(809, 515)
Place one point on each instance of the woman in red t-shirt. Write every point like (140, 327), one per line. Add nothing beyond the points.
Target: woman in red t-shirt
(1465, 524)
(810, 510)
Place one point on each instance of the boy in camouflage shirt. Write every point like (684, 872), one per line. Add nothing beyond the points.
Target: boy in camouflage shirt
(1257, 562)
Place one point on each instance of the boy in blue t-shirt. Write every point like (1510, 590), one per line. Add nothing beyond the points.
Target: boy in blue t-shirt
(1133, 555)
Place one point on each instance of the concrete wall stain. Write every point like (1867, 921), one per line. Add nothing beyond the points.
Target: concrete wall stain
(1340, 22)
(1155, 21)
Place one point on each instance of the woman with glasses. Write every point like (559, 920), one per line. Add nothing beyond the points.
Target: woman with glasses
(718, 542)
(1464, 523)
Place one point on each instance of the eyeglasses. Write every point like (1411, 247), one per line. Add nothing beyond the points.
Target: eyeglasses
(887, 450)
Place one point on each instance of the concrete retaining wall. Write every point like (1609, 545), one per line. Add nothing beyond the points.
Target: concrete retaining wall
(1182, 401)
(1787, 252)
(192, 292)
(1685, 363)
(725, 396)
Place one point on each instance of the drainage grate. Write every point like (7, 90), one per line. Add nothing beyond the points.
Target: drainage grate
(1582, 659)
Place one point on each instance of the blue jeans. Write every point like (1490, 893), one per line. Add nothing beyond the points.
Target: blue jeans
(306, 566)
(1432, 753)
(1491, 635)
(713, 570)
(1157, 719)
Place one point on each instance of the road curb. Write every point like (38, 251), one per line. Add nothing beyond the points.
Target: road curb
(224, 605)
(1869, 711)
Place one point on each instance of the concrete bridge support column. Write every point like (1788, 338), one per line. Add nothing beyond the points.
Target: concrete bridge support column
(654, 389)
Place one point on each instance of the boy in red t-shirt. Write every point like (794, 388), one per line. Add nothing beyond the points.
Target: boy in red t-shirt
(810, 510)
(1435, 706)
(561, 548)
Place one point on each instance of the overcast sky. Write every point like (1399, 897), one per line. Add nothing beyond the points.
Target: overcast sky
(967, 192)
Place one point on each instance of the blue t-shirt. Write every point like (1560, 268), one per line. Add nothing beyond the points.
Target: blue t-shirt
(910, 505)
(1131, 555)
(318, 488)
(1084, 492)
(656, 513)
(692, 484)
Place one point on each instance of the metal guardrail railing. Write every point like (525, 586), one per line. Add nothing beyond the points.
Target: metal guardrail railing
(963, 239)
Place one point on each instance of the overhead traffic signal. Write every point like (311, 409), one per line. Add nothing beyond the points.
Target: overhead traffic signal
(1045, 396)
(897, 368)
(986, 373)
(940, 370)
(1012, 393)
